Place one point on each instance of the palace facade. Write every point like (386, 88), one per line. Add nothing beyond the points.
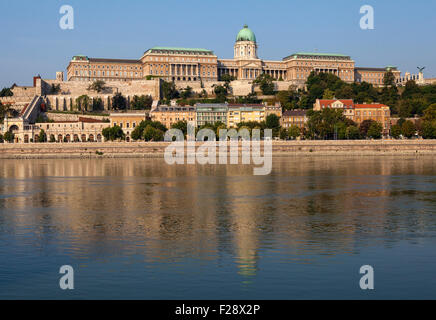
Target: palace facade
(202, 65)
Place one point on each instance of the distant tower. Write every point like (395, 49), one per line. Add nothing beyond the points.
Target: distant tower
(245, 46)
(60, 76)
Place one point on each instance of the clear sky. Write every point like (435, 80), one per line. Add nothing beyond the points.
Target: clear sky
(33, 43)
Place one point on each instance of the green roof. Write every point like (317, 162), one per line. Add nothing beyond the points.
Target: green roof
(318, 54)
(246, 35)
(197, 50)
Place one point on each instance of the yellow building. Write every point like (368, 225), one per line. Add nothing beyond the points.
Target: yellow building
(127, 121)
(294, 118)
(237, 113)
(168, 115)
(358, 112)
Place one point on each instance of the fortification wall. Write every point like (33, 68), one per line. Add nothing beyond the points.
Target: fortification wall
(131, 88)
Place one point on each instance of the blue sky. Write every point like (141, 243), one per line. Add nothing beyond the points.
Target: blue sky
(33, 43)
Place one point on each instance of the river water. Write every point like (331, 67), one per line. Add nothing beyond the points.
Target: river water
(141, 229)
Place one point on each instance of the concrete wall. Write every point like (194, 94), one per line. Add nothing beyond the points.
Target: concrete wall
(156, 149)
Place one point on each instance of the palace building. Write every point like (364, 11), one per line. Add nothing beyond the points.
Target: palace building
(202, 65)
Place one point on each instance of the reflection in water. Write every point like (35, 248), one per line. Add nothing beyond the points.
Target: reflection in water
(307, 210)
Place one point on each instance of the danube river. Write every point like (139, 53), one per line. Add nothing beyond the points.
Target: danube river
(141, 229)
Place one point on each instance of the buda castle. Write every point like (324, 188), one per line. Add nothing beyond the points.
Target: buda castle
(202, 65)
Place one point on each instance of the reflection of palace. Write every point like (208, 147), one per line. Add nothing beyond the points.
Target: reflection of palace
(196, 65)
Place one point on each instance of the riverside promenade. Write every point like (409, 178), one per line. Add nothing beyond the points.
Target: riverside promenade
(157, 149)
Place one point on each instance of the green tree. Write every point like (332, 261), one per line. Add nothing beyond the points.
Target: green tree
(9, 137)
(272, 121)
(55, 88)
(181, 125)
(428, 130)
(97, 86)
(42, 137)
(83, 103)
(6, 92)
(153, 134)
(352, 133)
(186, 93)
(408, 129)
(396, 131)
(375, 130)
(113, 133)
(169, 90)
(97, 105)
(328, 94)
(142, 102)
(364, 127)
(1, 138)
(294, 132)
(220, 93)
(119, 102)
(52, 138)
(430, 113)
(266, 84)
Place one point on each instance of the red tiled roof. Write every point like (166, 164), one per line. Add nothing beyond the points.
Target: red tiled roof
(83, 119)
(346, 102)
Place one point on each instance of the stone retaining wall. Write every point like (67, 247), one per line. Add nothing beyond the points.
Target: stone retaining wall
(156, 149)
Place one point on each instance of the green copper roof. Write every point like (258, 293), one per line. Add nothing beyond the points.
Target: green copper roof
(246, 35)
(318, 54)
(180, 50)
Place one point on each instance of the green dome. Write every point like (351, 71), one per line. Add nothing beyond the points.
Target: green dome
(246, 35)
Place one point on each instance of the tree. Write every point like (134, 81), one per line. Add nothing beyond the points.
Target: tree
(396, 131)
(113, 133)
(294, 132)
(52, 138)
(97, 104)
(430, 113)
(153, 134)
(98, 86)
(142, 102)
(55, 88)
(6, 92)
(186, 93)
(272, 121)
(181, 125)
(352, 133)
(328, 94)
(364, 127)
(408, 129)
(1, 138)
(375, 130)
(119, 102)
(138, 132)
(266, 84)
(42, 137)
(389, 79)
(220, 93)
(9, 137)
(428, 130)
(169, 90)
(83, 103)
